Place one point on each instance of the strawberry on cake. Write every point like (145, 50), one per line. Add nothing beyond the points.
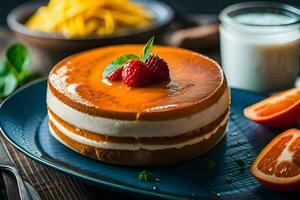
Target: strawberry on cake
(164, 106)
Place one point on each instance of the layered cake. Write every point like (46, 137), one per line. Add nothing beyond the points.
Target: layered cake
(160, 123)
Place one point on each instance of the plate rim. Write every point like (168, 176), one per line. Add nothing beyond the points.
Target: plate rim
(59, 168)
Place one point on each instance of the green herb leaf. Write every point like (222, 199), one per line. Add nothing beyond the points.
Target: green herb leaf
(241, 164)
(8, 83)
(3, 68)
(18, 58)
(145, 176)
(211, 164)
(147, 50)
(117, 63)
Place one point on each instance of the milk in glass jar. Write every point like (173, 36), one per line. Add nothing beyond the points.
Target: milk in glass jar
(260, 45)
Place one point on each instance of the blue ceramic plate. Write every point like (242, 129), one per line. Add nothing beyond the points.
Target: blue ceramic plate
(218, 174)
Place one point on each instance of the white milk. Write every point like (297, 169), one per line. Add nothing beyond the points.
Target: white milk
(260, 50)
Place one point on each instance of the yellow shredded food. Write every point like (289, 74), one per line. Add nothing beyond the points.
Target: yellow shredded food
(79, 18)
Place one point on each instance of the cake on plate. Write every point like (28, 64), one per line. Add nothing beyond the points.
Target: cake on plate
(160, 123)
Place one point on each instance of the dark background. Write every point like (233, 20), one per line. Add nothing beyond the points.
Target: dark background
(181, 6)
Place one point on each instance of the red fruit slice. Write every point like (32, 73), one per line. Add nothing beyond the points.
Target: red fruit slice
(158, 67)
(278, 164)
(135, 74)
(116, 75)
(280, 110)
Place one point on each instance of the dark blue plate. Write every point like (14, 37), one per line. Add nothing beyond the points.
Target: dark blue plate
(23, 119)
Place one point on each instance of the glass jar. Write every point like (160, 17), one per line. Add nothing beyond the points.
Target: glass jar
(260, 45)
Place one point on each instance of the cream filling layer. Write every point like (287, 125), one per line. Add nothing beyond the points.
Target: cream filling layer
(128, 146)
(137, 128)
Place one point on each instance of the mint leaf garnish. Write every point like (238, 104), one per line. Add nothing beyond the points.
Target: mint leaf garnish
(147, 50)
(145, 176)
(117, 63)
(122, 60)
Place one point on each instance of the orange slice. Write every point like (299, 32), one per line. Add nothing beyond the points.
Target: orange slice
(280, 110)
(278, 164)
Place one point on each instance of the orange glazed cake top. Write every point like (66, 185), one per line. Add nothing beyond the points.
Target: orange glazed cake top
(196, 83)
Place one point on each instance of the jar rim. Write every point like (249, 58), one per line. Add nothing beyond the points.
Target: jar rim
(227, 15)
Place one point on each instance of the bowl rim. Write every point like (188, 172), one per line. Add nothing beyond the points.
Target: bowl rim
(16, 26)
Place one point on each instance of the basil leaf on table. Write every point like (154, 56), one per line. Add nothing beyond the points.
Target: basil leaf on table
(3, 68)
(117, 63)
(147, 50)
(14, 69)
(8, 83)
(18, 57)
